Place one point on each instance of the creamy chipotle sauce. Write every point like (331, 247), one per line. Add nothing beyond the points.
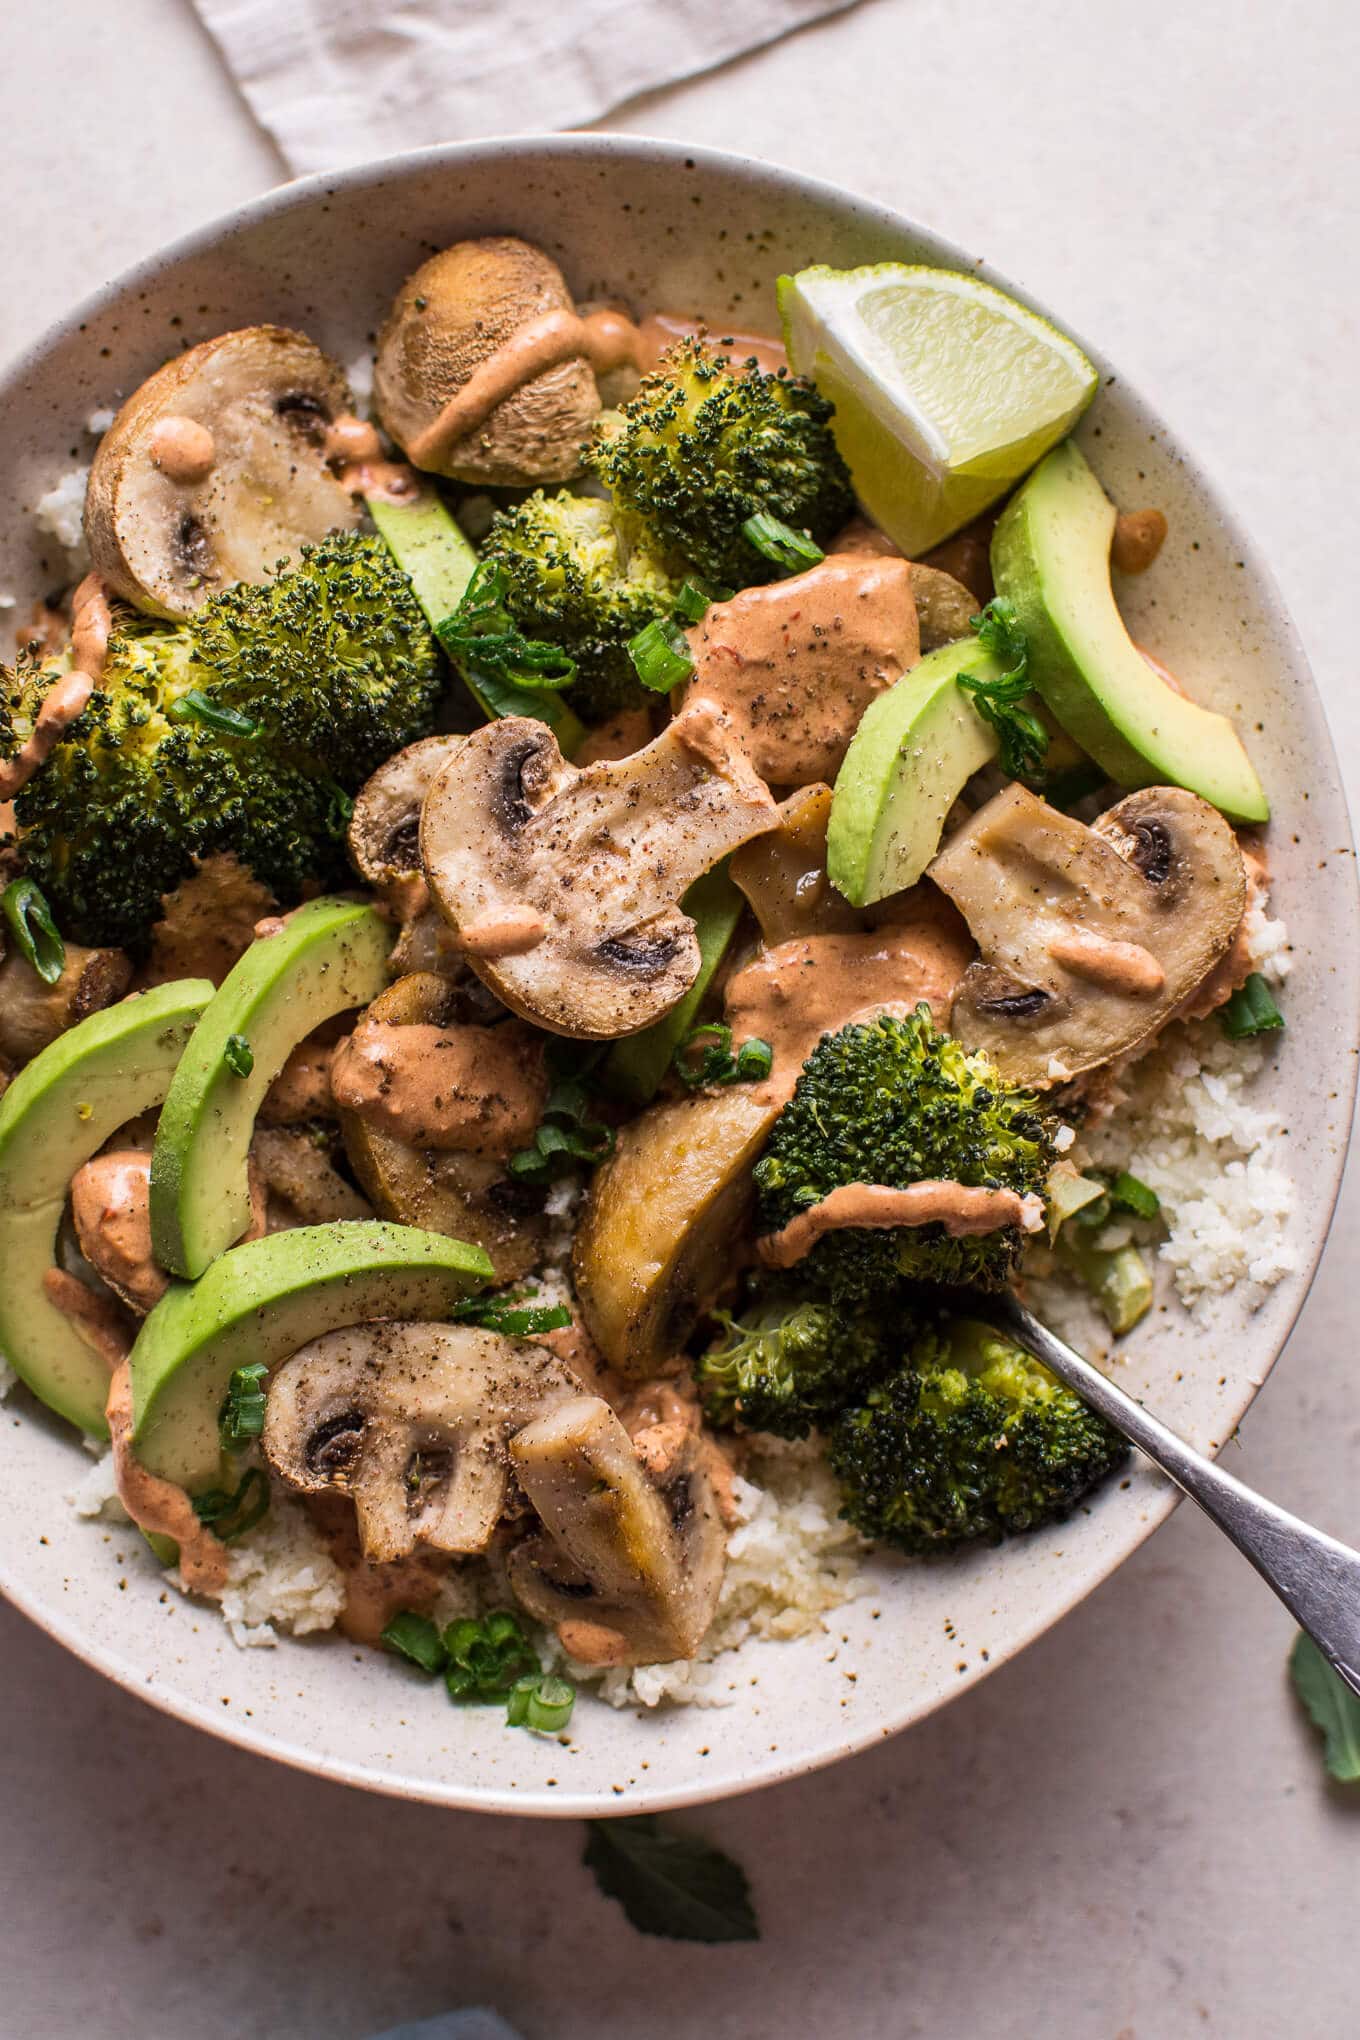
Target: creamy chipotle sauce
(158, 1505)
(796, 663)
(480, 1090)
(353, 450)
(111, 1207)
(959, 1207)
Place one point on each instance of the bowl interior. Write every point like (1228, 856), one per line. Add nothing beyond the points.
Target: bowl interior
(655, 225)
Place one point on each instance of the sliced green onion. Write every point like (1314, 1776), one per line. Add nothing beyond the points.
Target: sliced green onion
(35, 933)
(660, 655)
(755, 1060)
(1251, 1010)
(486, 1657)
(231, 1515)
(540, 1701)
(415, 1638)
(196, 706)
(482, 635)
(780, 543)
(566, 1135)
(504, 1314)
(716, 1062)
(1132, 1195)
(691, 604)
(242, 1416)
(1119, 1278)
(238, 1055)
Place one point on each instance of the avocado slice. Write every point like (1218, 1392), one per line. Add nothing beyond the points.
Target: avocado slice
(635, 1066)
(260, 1302)
(424, 538)
(58, 1112)
(1051, 559)
(915, 747)
(328, 956)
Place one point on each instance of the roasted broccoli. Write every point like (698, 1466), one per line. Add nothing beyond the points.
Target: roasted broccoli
(970, 1439)
(704, 445)
(890, 1101)
(245, 728)
(788, 1362)
(571, 580)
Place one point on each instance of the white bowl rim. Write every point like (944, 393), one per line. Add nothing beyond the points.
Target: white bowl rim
(298, 194)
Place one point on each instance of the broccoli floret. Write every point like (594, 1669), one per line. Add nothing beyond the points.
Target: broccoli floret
(705, 444)
(244, 728)
(573, 581)
(970, 1439)
(788, 1362)
(890, 1101)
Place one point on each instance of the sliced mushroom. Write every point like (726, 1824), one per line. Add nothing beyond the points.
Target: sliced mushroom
(658, 1236)
(783, 873)
(467, 1196)
(411, 1421)
(298, 1171)
(384, 830)
(564, 885)
(632, 1564)
(479, 303)
(33, 1013)
(1090, 937)
(215, 470)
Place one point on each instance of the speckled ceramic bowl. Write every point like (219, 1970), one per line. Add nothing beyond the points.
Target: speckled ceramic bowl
(656, 225)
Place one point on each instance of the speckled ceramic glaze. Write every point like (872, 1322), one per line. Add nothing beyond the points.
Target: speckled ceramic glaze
(653, 224)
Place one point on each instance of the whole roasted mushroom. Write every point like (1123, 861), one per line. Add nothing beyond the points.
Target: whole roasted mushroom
(469, 309)
(631, 1566)
(1090, 938)
(564, 886)
(411, 1421)
(215, 470)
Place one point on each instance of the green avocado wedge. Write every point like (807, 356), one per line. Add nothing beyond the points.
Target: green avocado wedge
(260, 1302)
(914, 749)
(424, 538)
(328, 956)
(634, 1068)
(58, 1112)
(1051, 560)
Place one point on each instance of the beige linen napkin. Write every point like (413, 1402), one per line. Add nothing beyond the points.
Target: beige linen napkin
(335, 81)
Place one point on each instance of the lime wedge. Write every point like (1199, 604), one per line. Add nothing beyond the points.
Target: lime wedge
(946, 390)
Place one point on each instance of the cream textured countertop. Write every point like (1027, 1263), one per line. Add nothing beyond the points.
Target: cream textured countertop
(1126, 1834)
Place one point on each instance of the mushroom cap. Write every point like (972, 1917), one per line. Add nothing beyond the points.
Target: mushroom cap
(640, 1555)
(466, 1196)
(596, 859)
(657, 1238)
(410, 1420)
(384, 830)
(944, 607)
(266, 397)
(453, 314)
(1090, 938)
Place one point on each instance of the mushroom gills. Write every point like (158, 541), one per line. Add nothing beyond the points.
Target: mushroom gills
(597, 859)
(384, 830)
(411, 1421)
(642, 1558)
(165, 533)
(1091, 938)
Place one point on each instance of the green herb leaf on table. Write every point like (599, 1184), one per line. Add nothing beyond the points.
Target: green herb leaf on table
(670, 1883)
(1021, 736)
(1332, 1707)
(35, 933)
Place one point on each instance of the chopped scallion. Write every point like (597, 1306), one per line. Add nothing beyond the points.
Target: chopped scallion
(486, 1657)
(716, 1063)
(780, 543)
(660, 655)
(35, 933)
(1129, 1194)
(231, 1515)
(755, 1060)
(238, 1055)
(242, 1415)
(196, 706)
(540, 1701)
(1251, 1010)
(415, 1638)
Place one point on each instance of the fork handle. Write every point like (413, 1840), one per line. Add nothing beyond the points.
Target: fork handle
(1317, 1578)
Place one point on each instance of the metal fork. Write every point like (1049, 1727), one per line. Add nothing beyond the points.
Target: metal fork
(1317, 1579)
